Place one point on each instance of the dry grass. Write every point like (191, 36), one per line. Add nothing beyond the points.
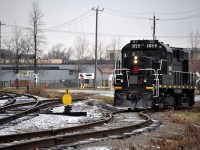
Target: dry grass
(189, 140)
(192, 116)
(81, 95)
(19, 90)
(123, 145)
(38, 90)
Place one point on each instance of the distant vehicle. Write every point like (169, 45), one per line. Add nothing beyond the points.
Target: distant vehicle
(153, 75)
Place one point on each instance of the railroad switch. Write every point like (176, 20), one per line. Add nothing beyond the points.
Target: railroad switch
(68, 112)
(68, 108)
(67, 102)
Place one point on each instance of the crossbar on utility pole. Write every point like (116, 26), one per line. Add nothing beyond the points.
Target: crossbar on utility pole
(96, 41)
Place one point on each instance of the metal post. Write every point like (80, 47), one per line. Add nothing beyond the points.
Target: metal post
(95, 74)
(0, 56)
(154, 26)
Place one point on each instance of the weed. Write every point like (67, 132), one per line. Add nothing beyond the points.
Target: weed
(193, 116)
(123, 145)
(38, 90)
(190, 139)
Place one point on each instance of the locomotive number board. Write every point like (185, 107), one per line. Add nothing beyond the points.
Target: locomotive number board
(145, 44)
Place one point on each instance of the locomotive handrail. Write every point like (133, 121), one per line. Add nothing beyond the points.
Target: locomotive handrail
(127, 77)
(192, 79)
(114, 74)
(198, 76)
(156, 74)
(184, 72)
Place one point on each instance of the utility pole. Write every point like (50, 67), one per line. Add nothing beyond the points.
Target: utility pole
(0, 55)
(35, 49)
(96, 41)
(154, 26)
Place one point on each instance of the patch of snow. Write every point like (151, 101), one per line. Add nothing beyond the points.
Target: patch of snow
(88, 106)
(42, 122)
(110, 92)
(197, 98)
(41, 98)
(47, 121)
(109, 95)
(2, 102)
(97, 148)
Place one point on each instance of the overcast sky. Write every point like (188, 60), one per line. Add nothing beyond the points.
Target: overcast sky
(127, 19)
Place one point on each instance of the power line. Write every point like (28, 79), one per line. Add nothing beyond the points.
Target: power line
(130, 14)
(125, 15)
(110, 34)
(182, 18)
(102, 34)
(145, 13)
(73, 20)
(84, 18)
(125, 12)
(178, 13)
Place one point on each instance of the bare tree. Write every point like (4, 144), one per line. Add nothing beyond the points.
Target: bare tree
(195, 40)
(7, 55)
(17, 39)
(115, 49)
(27, 45)
(17, 52)
(81, 45)
(119, 43)
(58, 51)
(102, 47)
(36, 28)
(69, 53)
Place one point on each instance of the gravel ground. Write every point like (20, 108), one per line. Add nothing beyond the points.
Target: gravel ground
(140, 141)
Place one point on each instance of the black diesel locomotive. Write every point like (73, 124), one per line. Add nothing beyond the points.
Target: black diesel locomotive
(152, 74)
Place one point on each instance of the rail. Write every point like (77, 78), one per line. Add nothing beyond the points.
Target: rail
(61, 139)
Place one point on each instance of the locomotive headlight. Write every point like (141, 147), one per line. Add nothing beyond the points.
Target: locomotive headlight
(135, 61)
(135, 57)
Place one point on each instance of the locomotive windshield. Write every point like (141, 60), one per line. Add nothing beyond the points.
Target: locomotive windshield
(147, 48)
(142, 52)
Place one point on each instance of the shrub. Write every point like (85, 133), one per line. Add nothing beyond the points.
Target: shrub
(38, 90)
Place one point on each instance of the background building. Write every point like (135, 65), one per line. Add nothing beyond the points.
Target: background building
(57, 73)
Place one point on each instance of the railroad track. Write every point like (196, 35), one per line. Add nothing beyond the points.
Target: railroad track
(29, 104)
(51, 138)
